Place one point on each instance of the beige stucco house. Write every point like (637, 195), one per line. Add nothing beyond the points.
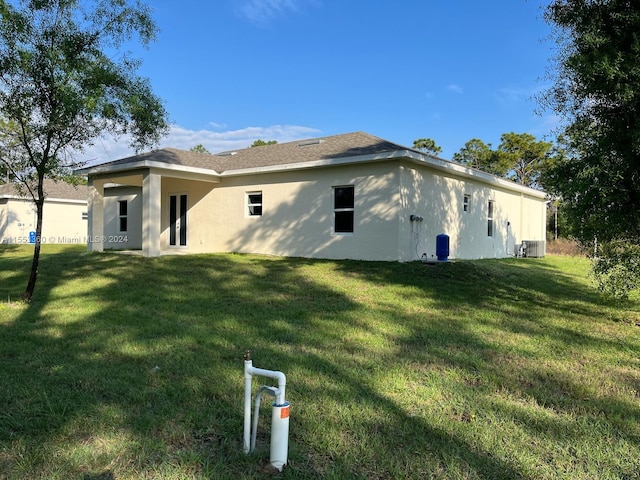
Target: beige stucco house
(351, 196)
(64, 219)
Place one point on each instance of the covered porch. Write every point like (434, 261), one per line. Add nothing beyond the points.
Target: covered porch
(157, 221)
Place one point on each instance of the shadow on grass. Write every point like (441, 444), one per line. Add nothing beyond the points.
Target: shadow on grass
(129, 363)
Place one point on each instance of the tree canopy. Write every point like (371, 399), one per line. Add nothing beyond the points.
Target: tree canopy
(524, 157)
(427, 145)
(199, 148)
(597, 91)
(262, 143)
(477, 154)
(63, 84)
(519, 157)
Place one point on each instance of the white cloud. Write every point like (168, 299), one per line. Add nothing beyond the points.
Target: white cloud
(261, 11)
(452, 87)
(108, 148)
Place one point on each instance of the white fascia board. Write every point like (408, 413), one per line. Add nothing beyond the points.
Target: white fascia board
(173, 170)
(47, 199)
(66, 200)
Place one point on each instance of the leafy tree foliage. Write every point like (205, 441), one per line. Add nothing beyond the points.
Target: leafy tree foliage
(62, 86)
(597, 90)
(523, 157)
(262, 143)
(477, 154)
(199, 149)
(519, 157)
(427, 145)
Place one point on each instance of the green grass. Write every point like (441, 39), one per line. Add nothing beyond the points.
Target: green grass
(130, 368)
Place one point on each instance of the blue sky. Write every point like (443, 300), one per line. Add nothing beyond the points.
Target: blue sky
(232, 71)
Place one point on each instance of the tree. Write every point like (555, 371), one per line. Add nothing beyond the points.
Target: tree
(523, 157)
(519, 157)
(60, 89)
(262, 143)
(199, 149)
(477, 154)
(427, 145)
(597, 91)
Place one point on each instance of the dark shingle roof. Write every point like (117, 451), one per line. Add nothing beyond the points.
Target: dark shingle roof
(57, 190)
(301, 151)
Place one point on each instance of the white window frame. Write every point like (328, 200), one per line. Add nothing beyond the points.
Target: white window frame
(250, 211)
(466, 203)
(343, 209)
(491, 207)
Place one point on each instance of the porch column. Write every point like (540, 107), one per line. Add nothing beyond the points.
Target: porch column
(95, 223)
(151, 199)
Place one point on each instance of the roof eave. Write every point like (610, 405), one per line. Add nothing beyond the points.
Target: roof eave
(144, 165)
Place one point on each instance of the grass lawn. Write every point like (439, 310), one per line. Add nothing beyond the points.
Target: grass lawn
(125, 367)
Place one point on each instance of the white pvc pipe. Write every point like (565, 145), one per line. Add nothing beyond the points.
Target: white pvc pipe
(256, 412)
(247, 406)
(279, 435)
(280, 413)
(279, 376)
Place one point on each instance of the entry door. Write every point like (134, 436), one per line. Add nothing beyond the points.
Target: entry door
(178, 220)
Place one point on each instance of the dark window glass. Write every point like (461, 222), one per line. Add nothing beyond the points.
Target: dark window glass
(123, 224)
(123, 207)
(343, 204)
(344, 197)
(173, 217)
(344, 222)
(255, 198)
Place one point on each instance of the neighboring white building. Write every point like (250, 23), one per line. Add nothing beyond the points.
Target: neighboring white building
(64, 220)
(345, 196)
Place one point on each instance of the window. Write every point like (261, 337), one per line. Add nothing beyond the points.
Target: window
(466, 204)
(254, 204)
(490, 218)
(122, 214)
(343, 203)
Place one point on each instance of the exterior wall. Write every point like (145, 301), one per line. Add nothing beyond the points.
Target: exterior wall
(297, 213)
(439, 199)
(63, 221)
(113, 238)
(298, 216)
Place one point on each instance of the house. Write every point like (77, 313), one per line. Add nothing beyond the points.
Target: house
(351, 196)
(64, 220)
